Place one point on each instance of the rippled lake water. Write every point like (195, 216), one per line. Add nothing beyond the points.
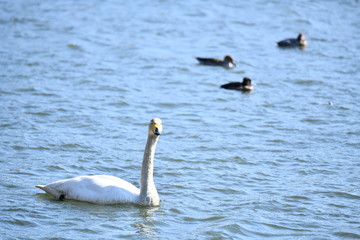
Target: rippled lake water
(80, 80)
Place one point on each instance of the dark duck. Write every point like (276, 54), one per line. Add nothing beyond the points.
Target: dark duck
(244, 86)
(300, 41)
(227, 62)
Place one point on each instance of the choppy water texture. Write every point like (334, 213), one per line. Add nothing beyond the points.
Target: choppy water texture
(80, 81)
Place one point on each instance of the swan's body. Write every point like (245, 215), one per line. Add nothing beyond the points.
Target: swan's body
(228, 61)
(244, 86)
(104, 189)
(101, 189)
(300, 41)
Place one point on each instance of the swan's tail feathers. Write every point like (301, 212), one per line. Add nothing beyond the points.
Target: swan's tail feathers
(53, 192)
(42, 187)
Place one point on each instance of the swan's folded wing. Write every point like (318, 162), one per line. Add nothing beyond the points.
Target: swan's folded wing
(101, 189)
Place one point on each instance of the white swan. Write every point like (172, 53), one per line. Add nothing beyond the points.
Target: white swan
(104, 189)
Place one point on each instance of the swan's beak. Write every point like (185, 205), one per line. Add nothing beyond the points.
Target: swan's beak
(157, 129)
(157, 132)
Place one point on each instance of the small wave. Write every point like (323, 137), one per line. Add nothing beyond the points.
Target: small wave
(45, 94)
(347, 195)
(118, 104)
(74, 46)
(22, 223)
(39, 113)
(26, 90)
(347, 235)
(86, 230)
(7, 93)
(298, 197)
(312, 120)
(308, 82)
(206, 219)
(276, 226)
(249, 24)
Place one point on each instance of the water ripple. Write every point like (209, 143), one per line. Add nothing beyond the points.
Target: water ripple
(278, 163)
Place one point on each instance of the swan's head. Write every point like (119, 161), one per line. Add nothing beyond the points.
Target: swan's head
(155, 127)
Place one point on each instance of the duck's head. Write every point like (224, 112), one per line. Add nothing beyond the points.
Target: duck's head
(302, 40)
(155, 127)
(246, 81)
(229, 58)
(301, 37)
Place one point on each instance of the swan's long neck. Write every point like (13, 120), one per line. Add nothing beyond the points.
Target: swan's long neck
(147, 185)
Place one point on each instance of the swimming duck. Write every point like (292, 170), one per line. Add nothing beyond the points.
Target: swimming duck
(104, 189)
(245, 85)
(300, 41)
(228, 61)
